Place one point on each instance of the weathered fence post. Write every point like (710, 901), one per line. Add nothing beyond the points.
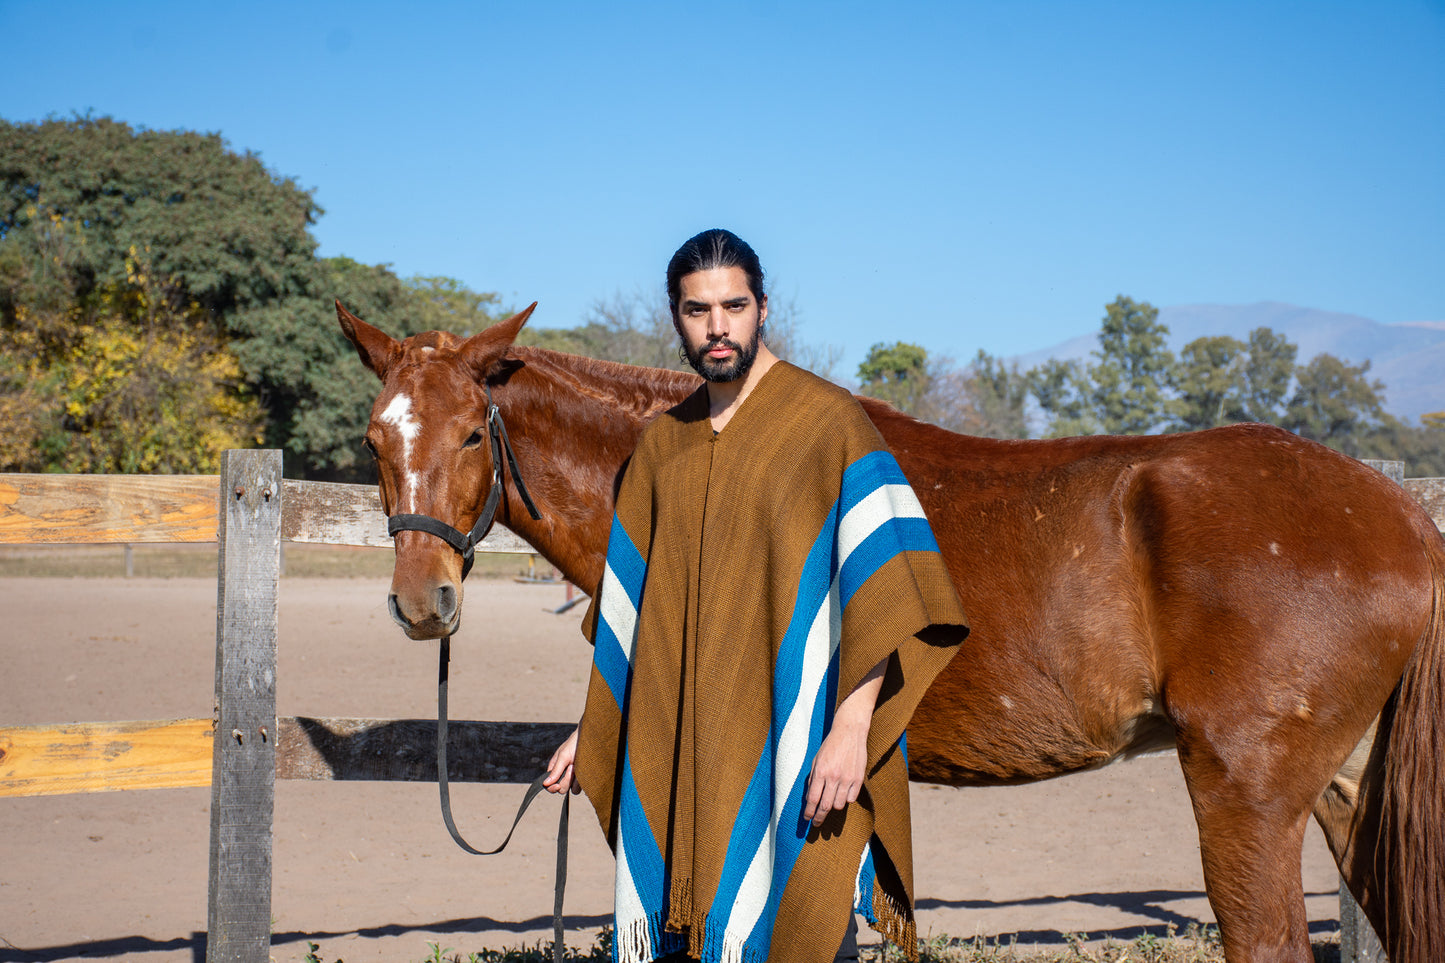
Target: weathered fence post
(1358, 941)
(243, 769)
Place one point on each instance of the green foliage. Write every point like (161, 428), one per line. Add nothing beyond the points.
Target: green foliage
(225, 230)
(1268, 371)
(999, 394)
(637, 329)
(227, 244)
(1333, 402)
(631, 328)
(1222, 381)
(896, 373)
(1062, 390)
(985, 398)
(1210, 383)
(131, 382)
(316, 391)
(1132, 369)
(599, 952)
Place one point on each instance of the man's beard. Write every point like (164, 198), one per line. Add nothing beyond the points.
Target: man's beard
(735, 367)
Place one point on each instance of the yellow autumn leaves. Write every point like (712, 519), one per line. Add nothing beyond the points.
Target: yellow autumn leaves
(135, 380)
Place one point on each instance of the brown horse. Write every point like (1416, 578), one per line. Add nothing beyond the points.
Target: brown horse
(1271, 608)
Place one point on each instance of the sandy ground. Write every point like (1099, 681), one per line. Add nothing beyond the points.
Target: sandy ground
(367, 870)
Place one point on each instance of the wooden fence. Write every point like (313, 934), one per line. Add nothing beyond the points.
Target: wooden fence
(248, 510)
(245, 747)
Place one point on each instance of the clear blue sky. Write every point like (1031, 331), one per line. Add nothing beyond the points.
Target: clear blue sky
(962, 175)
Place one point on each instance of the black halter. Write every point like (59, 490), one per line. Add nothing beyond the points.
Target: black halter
(466, 545)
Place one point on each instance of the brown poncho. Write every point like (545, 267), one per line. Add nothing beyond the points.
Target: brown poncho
(753, 578)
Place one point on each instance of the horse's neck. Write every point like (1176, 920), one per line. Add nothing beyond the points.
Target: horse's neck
(573, 422)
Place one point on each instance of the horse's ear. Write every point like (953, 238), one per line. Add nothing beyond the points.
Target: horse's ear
(507, 331)
(377, 348)
(483, 350)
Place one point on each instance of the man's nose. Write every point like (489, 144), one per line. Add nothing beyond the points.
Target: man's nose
(717, 323)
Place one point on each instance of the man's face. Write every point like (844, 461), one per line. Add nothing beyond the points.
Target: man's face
(719, 320)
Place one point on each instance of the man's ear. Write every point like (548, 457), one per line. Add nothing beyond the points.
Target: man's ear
(483, 350)
(377, 349)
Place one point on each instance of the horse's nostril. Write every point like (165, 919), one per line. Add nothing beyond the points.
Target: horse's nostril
(395, 610)
(446, 602)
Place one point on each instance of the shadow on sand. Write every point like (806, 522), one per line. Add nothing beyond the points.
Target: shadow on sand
(1148, 904)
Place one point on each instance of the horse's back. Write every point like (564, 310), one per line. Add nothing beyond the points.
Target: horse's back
(1123, 588)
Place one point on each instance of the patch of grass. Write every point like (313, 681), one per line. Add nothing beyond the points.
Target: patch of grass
(299, 560)
(1195, 945)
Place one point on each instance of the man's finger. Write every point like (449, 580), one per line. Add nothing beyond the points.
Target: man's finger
(816, 787)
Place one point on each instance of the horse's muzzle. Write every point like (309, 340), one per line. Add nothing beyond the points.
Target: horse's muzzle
(439, 615)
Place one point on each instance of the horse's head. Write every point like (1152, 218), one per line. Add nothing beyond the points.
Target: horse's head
(428, 434)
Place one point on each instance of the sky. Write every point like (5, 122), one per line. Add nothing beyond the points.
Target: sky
(964, 176)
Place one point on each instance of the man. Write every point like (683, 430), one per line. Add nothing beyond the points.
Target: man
(773, 608)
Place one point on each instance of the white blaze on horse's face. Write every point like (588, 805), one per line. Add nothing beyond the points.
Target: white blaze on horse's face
(399, 415)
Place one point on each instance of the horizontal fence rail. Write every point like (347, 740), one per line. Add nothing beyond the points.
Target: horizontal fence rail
(176, 753)
(137, 509)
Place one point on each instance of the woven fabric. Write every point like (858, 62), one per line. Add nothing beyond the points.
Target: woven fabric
(752, 577)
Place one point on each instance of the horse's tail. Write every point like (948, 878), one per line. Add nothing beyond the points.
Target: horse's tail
(1411, 855)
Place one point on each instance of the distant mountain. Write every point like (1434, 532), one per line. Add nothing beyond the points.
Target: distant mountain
(1409, 357)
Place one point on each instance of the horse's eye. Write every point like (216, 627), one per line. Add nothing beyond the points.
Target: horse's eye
(366, 443)
(475, 440)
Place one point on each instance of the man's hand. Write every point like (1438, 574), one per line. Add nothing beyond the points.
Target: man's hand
(560, 774)
(837, 770)
(842, 759)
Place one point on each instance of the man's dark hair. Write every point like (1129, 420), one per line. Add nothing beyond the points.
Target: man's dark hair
(715, 248)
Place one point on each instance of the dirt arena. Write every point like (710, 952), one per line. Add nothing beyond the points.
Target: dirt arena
(367, 869)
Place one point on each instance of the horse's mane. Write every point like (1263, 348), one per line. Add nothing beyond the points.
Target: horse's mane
(642, 390)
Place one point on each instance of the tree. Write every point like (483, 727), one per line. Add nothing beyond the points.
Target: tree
(132, 381)
(1209, 384)
(1421, 448)
(76, 195)
(1063, 392)
(896, 373)
(637, 328)
(1131, 370)
(997, 395)
(630, 328)
(305, 371)
(1267, 375)
(1334, 403)
(784, 336)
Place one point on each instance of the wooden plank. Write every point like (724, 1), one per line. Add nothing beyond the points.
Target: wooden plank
(106, 756)
(338, 514)
(243, 774)
(176, 753)
(405, 749)
(110, 509)
(41, 509)
(1429, 492)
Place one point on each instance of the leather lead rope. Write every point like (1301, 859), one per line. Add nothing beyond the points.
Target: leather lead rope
(558, 946)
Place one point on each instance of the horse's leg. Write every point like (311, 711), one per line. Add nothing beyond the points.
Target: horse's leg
(1349, 813)
(1251, 821)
